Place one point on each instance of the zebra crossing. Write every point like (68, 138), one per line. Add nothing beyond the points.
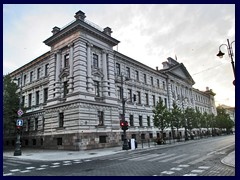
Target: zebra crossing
(13, 166)
(158, 157)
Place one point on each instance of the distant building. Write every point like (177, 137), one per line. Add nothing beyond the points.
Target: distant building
(73, 93)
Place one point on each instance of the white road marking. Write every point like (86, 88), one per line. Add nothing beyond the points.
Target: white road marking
(44, 165)
(203, 167)
(67, 161)
(77, 162)
(54, 166)
(18, 162)
(183, 165)
(190, 175)
(67, 164)
(30, 168)
(40, 169)
(199, 160)
(172, 158)
(220, 149)
(197, 171)
(25, 171)
(144, 157)
(133, 156)
(176, 169)
(56, 163)
(185, 159)
(15, 170)
(10, 164)
(162, 157)
(8, 174)
(87, 160)
(167, 172)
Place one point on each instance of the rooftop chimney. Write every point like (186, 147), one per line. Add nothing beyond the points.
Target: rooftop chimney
(157, 68)
(207, 88)
(107, 30)
(55, 30)
(80, 15)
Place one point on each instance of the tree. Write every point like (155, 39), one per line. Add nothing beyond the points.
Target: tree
(161, 117)
(189, 119)
(177, 117)
(223, 120)
(10, 103)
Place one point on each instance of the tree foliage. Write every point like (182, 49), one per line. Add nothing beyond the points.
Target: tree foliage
(10, 103)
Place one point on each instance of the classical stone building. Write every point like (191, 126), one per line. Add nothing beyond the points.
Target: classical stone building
(73, 91)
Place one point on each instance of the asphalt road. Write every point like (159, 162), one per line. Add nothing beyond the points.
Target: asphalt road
(194, 158)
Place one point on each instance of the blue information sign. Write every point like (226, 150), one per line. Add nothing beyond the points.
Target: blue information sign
(19, 122)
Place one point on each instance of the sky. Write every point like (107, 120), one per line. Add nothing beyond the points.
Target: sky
(148, 33)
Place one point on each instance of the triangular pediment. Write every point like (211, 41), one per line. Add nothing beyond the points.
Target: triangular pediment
(178, 70)
(97, 72)
(181, 72)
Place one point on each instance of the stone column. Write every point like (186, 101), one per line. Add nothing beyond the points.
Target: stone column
(89, 69)
(105, 79)
(71, 68)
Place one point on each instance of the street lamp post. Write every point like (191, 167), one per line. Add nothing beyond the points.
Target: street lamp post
(230, 53)
(18, 151)
(125, 143)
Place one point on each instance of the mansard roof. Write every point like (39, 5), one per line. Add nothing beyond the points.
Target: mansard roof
(176, 69)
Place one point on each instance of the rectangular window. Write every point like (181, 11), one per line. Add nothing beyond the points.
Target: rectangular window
(19, 81)
(59, 141)
(95, 60)
(140, 121)
(61, 119)
(138, 97)
(128, 72)
(102, 139)
(31, 76)
(159, 99)
(97, 88)
(153, 100)
(45, 95)
(38, 73)
(100, 118)
(118, 69)
(65, 89)
(147, 101)
(137, 75)
(24, 79)
(37, 98)
(148, 121)
(165, 101)
(158, 85)
(119, 94)
(152, 81)
(46, 69)
(36, 124)
(29, 100)
(129, 95)
(164, 85)
(23, 101)
(145, 78)
(66, 60)
(43, 123)
(131, 120)
(34, 142)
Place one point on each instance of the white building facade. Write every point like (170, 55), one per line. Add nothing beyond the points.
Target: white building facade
(73, 92)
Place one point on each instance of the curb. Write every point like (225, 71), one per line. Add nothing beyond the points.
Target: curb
(229, 160)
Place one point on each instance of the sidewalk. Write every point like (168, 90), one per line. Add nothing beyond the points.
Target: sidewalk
(229, 159)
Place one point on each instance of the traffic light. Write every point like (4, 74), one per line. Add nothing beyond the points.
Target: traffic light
(124, 125)
(18, 129)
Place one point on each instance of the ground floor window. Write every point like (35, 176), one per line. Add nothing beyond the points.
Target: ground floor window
(34, 142)
(102, 139)
(59, 141)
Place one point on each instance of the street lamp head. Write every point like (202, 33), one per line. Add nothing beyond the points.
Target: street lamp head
(15, 80)
(220, 54)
